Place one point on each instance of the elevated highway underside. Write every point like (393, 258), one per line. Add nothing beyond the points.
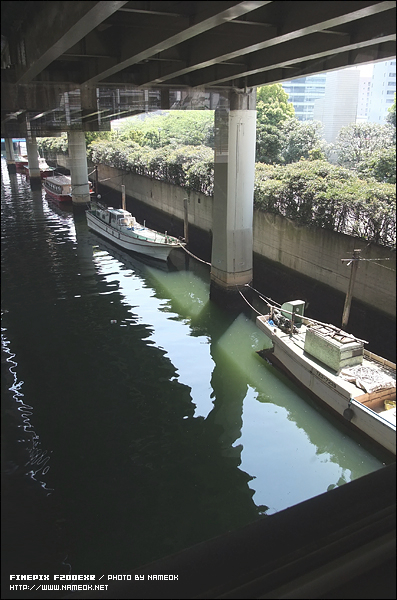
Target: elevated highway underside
(78, 65)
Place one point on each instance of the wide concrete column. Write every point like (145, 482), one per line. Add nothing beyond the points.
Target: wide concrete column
(33, 160)
(78, 169)
(234, 170)
(10, 156)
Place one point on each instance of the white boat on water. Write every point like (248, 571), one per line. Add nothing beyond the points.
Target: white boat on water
(334, 367)
(119, 226)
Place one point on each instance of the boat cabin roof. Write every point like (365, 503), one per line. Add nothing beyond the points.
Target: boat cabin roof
(119, 212)
(59, 180)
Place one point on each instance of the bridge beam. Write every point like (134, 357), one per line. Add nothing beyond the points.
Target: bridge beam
(232, 242)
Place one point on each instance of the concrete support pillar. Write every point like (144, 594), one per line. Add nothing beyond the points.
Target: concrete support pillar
(78, 169)
(33, 160)
(10, 157)
(232, 242)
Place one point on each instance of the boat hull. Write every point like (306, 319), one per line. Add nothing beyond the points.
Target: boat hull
(59, 197)
(21, 166)
(134, 244)
(323, 386)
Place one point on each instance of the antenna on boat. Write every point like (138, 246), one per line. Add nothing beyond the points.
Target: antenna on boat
(123, 197)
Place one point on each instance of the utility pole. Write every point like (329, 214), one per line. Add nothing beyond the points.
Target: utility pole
(186, 220)
(96, 180)
(354, 263)
(123, 197)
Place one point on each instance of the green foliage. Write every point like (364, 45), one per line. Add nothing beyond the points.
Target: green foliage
(381, 165)
(187, 166)
(272, 109)
(289, 142)
(268, 143)
(280, 137)
(95, 136)
(176, 128)
(49, 147)
(301, 140)
(357, 142)
(320, 194)
(391, 117)
(272, 105)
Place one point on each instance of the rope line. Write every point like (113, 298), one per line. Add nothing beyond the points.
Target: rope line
(194, 256)
(264, 298)
(110, 178)
(246, 301)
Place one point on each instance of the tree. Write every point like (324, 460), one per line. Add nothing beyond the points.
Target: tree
(301, 140)
(272, 105)
(355, 143)
(175, 128)
(391, 117)
(273, 109)
(381, 165)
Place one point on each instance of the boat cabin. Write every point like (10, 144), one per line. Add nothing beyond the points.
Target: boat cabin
(117, 217)
(58, 185)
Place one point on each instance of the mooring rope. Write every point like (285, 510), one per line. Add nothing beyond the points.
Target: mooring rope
(264, 298)
(194, 256)
(246, 301)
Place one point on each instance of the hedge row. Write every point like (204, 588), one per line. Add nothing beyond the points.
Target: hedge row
(187, 166)
(320, 194)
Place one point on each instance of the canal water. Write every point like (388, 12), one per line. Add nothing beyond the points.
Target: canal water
(138, 419)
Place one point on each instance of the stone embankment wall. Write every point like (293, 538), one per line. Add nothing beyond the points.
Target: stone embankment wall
(313, 252)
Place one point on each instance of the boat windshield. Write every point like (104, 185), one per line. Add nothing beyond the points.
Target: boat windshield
(129, 221)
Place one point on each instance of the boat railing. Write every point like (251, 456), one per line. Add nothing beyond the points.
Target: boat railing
(379, 359)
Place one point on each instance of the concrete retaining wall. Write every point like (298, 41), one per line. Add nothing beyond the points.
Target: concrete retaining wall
(313, 252)
(317, 253)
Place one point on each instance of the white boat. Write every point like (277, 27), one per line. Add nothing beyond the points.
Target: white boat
(334, 367)
(119, 226)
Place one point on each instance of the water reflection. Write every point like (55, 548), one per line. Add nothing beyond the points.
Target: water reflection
(37, 459)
